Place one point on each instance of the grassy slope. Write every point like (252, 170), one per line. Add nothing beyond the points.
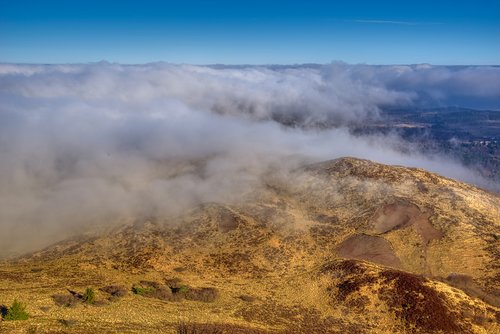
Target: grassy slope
(275, 248)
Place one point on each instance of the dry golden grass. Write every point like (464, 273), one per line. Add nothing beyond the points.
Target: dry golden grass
(271, 264)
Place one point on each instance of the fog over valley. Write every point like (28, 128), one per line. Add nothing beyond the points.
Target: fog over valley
(94, 143)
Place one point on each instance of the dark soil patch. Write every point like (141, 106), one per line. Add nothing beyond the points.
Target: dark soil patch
(402, 214)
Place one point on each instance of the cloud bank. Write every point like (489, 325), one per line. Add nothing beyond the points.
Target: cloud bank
(88, 144)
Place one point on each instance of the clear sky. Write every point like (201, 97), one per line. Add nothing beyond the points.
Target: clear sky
(250, 32)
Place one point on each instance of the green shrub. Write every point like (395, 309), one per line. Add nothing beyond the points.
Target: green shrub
(89, 296)
(139, 290)
(183, 289)
(16, 312)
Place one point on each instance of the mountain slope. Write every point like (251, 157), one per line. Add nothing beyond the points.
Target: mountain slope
(347, 245)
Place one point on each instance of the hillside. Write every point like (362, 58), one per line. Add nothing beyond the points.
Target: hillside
(343, 246)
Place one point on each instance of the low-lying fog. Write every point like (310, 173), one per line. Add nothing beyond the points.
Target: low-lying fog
(81, 144)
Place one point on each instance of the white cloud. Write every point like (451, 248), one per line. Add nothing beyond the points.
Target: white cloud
(92, 143)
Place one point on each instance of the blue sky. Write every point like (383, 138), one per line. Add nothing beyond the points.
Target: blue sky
(250, 32)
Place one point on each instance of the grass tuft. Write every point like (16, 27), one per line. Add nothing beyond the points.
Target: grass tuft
(89, 296)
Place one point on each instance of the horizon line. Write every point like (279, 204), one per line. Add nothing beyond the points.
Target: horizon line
(243, 64)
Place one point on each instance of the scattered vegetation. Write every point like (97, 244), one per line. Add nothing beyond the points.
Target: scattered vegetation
(16, 312)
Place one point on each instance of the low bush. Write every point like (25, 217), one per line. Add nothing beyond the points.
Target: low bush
(143, 291)
(16, 312)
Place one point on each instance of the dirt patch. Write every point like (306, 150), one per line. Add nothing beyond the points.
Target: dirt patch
(402, 214)
(370, 248)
